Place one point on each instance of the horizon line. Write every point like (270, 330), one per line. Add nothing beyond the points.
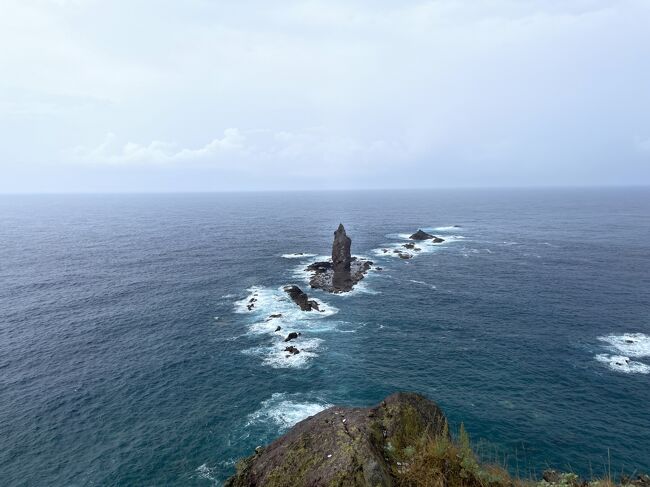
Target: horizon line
(312, 190)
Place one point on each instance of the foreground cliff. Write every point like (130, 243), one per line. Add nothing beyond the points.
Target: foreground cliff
(345, 446)
(403, 441)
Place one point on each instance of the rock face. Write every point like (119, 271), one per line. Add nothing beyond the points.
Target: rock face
(301, 299)
(341, 258)
(344, 446)
(421, 235)
(341, 273)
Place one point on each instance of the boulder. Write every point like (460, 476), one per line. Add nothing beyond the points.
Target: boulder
(278, 329)
(438, 240)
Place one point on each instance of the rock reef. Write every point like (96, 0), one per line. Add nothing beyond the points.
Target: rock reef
(344, 446)
(341, 273)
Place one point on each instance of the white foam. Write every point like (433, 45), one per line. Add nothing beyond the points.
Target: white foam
(630, 344)
(283, 412)
(423, 283)
(298, 255)
(425, 246)
(275, 356)
(270, 301)
(207, 473)
(449, 228)
(621, 363)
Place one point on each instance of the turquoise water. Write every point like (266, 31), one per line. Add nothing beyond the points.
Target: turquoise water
(128, 356)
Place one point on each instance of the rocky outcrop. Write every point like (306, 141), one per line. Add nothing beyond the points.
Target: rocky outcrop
(341, 273)
(345, 446)
(301, 299)
(292, 350)
(421, 235)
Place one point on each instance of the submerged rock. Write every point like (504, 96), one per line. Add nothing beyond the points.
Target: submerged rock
(292, 350)
(278, 328)
(438, 240)
(421, 235)
(344, 446)
(341, 273)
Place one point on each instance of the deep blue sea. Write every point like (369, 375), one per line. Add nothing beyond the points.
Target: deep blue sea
(128, 357)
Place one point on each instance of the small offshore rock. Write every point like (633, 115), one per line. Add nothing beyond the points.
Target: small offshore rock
(301, 299)
(291, 336)
(421, 235)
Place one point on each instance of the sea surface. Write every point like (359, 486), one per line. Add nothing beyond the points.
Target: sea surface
(128, 355)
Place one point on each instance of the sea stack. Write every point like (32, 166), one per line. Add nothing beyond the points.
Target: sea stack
(341, 273)
(341, 258)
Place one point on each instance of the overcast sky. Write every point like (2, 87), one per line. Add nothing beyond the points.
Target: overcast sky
(199, 95)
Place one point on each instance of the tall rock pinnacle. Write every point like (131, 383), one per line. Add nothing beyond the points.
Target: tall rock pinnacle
(341, 257)
(343, 272)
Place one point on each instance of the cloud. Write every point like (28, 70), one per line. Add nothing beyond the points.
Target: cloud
(297, 152)
(159, 152)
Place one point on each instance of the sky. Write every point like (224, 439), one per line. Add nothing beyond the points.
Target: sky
(199, 95)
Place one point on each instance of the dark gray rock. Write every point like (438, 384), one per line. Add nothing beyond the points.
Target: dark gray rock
(292, 350)
(421, 235)
(301, 299)
(292, 336)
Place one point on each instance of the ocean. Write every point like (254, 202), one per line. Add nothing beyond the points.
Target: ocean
(128, 355)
